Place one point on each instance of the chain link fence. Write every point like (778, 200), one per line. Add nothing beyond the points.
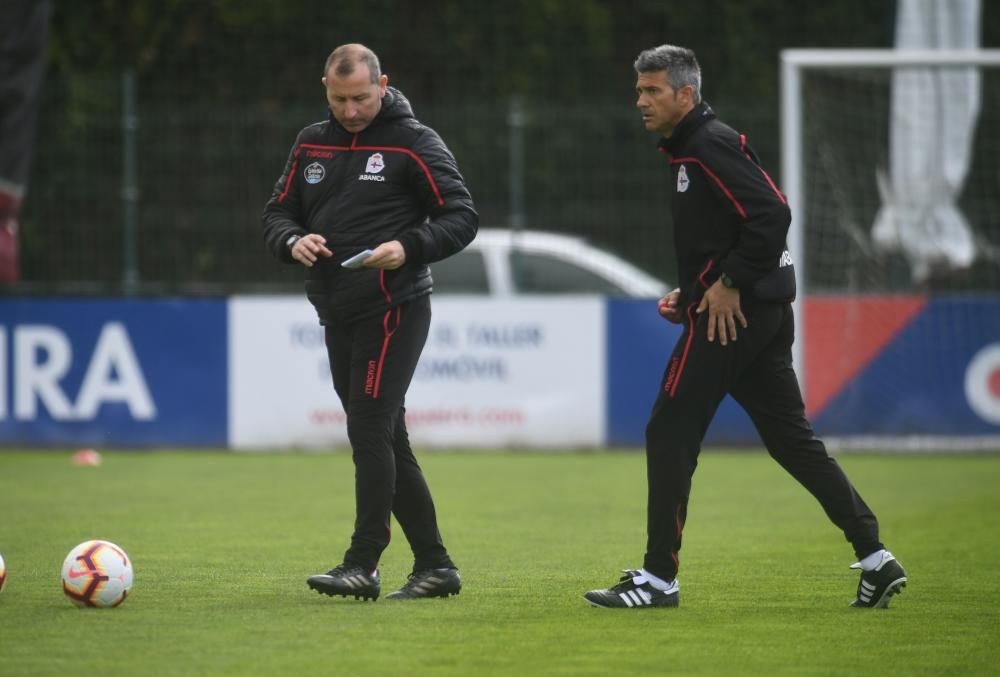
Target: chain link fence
(164, 126)
(146, 196)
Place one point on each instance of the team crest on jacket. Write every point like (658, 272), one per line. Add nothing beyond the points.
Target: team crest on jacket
(314, 173)
(682, 179)
(375, 164)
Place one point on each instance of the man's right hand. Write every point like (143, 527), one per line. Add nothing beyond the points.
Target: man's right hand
(308, 247)
(668, 307)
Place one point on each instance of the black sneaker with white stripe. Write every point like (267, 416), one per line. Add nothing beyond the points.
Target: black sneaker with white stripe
(429, 583)
(634, 591)
(878, 586)
(346, 579)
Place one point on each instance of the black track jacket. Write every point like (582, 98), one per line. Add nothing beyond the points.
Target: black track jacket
(394, 180)
(728, 215)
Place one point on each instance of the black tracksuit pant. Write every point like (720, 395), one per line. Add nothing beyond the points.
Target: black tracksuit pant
(373, 360)
(757, 371)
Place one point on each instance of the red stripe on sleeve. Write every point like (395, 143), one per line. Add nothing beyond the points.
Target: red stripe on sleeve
(770, 183)
(291, 175)
(743, 147)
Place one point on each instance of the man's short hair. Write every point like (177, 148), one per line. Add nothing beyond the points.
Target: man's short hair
(679, 62)
(345, 58)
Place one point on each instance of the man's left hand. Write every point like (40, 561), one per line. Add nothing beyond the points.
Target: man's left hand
(723, 305)
(388, 256)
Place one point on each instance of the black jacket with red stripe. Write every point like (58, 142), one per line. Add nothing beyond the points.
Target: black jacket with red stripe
(728, 215)
(394, 180)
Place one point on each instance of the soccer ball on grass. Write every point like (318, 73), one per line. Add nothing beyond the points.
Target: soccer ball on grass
(97, 574)
(3, 573)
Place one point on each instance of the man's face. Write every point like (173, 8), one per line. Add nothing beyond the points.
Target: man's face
(661, 105)
(354, 100)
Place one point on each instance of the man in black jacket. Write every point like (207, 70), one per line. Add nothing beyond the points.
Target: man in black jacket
(373, 180)
(737, 282)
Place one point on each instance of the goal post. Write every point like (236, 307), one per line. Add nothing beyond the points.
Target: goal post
(842, 111)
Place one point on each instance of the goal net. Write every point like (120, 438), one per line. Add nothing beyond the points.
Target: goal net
(891, 164)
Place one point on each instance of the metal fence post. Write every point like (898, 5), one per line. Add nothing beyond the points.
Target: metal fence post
(515, 125)
(130, 184)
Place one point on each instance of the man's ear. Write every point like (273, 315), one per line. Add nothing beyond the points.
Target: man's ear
(383, 82)
(687, 91)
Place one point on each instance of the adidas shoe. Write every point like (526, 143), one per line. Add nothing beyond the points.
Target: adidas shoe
(429, 583)
(635, 591)
(347, 579)
(878, 586)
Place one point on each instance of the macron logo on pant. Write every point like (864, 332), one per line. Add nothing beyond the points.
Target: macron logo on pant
(370, 378)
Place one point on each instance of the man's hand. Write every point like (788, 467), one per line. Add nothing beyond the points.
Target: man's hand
(308, 247)
(668, 307)
(723, 306)
(388, 256)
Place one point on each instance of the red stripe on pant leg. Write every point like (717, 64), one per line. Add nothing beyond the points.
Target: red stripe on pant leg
(385, 346)
(687, 349)
(679, 522)
(381, 285)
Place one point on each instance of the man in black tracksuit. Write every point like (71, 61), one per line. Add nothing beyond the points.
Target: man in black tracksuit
(737, 284)
(372, 177)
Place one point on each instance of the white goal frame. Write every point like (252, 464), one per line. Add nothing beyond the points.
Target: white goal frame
(793, 63)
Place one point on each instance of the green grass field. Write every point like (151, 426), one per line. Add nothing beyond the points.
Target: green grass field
(222, 544)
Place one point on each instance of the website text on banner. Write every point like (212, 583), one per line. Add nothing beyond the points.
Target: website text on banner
(494, 373)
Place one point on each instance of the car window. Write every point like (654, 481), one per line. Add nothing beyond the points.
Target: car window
(463, 273)
(543, 274)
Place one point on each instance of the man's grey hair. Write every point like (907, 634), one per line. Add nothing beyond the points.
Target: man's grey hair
(344, 59)
(679, 62)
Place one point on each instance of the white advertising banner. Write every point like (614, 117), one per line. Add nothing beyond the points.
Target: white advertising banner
(494, 373)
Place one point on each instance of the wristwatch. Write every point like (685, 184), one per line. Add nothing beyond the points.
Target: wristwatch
(290, 242)
(728, 282)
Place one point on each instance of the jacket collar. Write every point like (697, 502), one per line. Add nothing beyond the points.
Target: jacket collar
(695, 118)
